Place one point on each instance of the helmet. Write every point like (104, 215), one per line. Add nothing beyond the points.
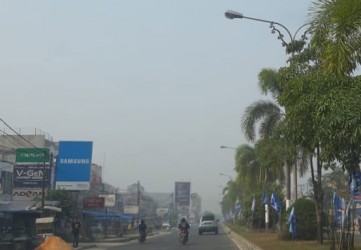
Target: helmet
(183, 220)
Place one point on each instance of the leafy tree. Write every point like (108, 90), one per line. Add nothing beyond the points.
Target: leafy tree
(66, 202)
(335, 181)
(320, 95)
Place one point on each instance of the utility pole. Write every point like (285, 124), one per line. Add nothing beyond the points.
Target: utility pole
(46, 157)
(138, 201)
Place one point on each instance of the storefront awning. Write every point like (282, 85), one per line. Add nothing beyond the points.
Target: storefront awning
(103, 215)
(17, 207)
(27, 206)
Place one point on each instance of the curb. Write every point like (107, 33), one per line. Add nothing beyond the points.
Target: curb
(87, 247)
(241, 242)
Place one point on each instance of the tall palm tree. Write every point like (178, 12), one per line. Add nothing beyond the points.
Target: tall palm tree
(231, 195)
(255, 167)
(269, 114)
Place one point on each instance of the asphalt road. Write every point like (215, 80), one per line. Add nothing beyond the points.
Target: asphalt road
(169, 241)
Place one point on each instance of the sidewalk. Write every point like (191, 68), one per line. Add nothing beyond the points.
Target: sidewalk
(115, 241)
(241, 242)
(124, 238)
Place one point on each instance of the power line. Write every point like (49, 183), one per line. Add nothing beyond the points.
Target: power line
(7, 125)
(17, 140)
(1, 146)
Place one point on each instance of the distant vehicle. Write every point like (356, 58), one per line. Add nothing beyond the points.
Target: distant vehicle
(208, 223)
(166, 226)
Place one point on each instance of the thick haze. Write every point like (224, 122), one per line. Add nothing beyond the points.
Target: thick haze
(158, 86)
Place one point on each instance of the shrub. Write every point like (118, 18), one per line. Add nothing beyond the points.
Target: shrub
(306, 225)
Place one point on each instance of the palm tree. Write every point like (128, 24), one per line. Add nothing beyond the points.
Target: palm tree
(335, 26)
(271, 117)
(269, 114)
(231, 195)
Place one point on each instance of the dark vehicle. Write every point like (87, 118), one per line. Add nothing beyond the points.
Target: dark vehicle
(142, 237)
(183, 237)
(208, 223)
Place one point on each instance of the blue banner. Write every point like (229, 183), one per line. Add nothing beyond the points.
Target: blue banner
(264, 198)
(275, 204)
(292, 222)
(355, 183)
(73, 165)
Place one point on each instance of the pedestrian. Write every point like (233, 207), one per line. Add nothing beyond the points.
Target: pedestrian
(75, 230)
(359, 223)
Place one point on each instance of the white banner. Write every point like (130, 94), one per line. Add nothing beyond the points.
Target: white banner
(109, 200)
(131, 209)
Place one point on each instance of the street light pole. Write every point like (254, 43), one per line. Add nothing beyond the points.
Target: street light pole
(290, 48)
(230, 14)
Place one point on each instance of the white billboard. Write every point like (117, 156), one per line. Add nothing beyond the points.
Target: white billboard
(109, 200)
(131, 209)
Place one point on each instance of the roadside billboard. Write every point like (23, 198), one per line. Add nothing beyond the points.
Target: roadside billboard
(74, 165)
(182, 193)
(93, 202)
(31, 176)
(32, 155)
(28, 194)
(129, 209)
(161, 211)
(109, 199)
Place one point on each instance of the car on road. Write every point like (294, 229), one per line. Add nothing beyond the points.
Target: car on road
(208, 224)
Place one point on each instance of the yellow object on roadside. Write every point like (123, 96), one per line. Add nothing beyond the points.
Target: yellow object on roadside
(54, 243)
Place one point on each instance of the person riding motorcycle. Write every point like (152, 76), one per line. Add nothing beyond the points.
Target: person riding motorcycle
(142, 230)
(184, 226)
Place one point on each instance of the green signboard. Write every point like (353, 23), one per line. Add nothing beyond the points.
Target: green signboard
(32, 155)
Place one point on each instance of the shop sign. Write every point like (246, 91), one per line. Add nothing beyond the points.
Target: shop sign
(32, 155)
(26, 194)
(93, 202)
(31, 176)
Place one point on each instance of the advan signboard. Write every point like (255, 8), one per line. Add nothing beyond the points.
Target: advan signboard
(73, 165)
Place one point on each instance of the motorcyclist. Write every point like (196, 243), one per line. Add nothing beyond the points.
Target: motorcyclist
(142, 229)
(183, 225)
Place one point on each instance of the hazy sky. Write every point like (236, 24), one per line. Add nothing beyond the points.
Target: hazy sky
(157, 85)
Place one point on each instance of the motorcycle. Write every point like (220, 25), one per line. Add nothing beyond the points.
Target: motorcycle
(142, 237)
(183, 236)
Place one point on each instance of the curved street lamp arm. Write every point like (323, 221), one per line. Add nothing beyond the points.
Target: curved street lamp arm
(303, 37)
(272, 23)
(233, 14)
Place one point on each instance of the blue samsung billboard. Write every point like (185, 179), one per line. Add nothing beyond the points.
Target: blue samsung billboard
(73, 165)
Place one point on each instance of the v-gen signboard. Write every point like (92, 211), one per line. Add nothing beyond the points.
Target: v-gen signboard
(31, 176)
(73, 165)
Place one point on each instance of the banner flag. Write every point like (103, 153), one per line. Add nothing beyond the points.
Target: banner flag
(338, 210)
(292, 222)
(253, 204)
(275, 204)
(264, 198)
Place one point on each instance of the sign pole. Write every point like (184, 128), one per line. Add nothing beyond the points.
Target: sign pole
(43, 188)
(138, 201)
(106, 222)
